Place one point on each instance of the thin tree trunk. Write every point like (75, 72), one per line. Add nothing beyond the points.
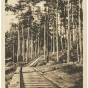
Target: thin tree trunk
(38, 45)
(28, 43)
(31, 46)
(45, 40)
(61, 43)
(18, 39)
(17, 53)
(53, 39)
(77, 51)
(61, 37)
(57, 31)
(27, 50)
(65, 34)
(35, 49)
(70, 46)
(51, 43)
(13, 48)
(73, 30)
(81, 34)
(65, 40)
(73, 33)
(18, 44)
(23, 43)
(80, 31)
(77, 39)
(68, 37)
(38, 41)
(47, 25)
(57, 35)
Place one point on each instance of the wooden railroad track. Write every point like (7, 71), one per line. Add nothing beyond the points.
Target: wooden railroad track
(30, 78)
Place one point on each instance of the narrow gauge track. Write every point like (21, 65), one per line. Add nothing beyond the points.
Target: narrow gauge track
(28, 77)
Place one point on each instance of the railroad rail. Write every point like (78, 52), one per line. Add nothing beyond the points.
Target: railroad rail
(29, 77)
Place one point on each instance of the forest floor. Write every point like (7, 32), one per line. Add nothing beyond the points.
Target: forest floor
(64, 75)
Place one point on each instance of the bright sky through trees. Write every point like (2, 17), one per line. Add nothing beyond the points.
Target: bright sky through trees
(9, 15)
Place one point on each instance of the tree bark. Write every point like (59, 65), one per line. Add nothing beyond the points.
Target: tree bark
(35, 49)
(31, 45)
(23, 43)
(18, 45)
(68, 37)
(13, 48)
(57, 31)
(18, 50)
(47, 25)
(38, 45)
(27, 50)
(61, 37)
(80, 45)
(28, 43)
(51, 43)
(45, 39)
(53, 39)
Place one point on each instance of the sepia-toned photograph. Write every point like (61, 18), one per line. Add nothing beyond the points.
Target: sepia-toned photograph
(44, 43)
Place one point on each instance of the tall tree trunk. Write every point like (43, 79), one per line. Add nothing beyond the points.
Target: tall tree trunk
(13, 48)
(53, 39)
(61, 43)
(31, 45)
(71, 30)
(18, 50)
(17, 53)
(35, 49)
(28, 43)
(45, 39)
(38, 45)
(68, 36)
(73, 33)
(18, 44)
(77, 39)
(65, 42)
(23, 43)
(65, 39)
(81, 33)
(47, 25)
(28, 53)
(61, 37)
(57, 31)
(38, 41)
(65, 33)
(77, 50)
(70, 42)
(27, 50)
(80, 45)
